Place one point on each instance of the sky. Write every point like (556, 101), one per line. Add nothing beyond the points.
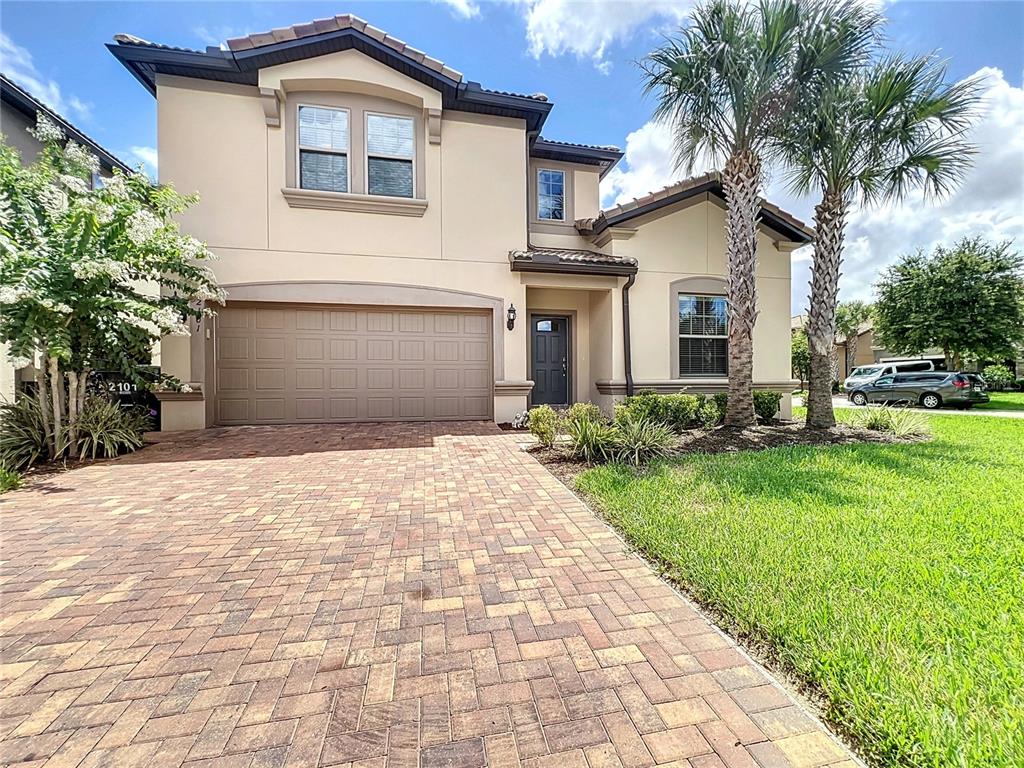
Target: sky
(583, 55)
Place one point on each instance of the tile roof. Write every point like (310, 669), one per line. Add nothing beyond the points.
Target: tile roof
(13, 94)
(710, 182)
(335, 24)
(571, 260)
(574, 145)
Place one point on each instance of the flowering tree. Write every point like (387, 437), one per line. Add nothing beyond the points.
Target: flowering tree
(90, 274)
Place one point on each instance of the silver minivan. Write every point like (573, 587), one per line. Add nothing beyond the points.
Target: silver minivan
(864, 374)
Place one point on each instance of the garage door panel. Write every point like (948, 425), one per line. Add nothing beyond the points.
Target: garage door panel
(270, 379)
(279, 364)
(344, 349)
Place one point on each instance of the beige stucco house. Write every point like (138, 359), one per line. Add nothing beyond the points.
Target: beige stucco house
(399, 243)
(18, 112)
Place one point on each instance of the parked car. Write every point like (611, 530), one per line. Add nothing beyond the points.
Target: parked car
(863, 374)
(931, 389)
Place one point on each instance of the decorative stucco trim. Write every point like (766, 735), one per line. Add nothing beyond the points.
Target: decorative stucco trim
(513, 388)
(171, 397)
(271, 101)
(347, 201)
(613, 233)
(432, 119)
(695, 386)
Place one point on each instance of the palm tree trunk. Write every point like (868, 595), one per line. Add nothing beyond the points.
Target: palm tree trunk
(830, 222)
(741, 181)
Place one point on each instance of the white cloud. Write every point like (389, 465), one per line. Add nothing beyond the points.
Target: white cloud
(217, 36)
(147, 156)
(465, 9)
(989, 203)
(647, 165)
(17, 63)
(587, 29)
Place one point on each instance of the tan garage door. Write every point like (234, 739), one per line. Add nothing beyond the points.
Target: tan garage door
(287, 364)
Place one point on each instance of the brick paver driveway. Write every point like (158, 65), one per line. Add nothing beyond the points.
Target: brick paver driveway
(374, 595)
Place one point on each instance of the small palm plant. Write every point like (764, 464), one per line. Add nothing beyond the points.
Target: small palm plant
(874, 136)
(725, 85)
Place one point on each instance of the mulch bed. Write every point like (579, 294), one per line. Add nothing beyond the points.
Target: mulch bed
(729, 440)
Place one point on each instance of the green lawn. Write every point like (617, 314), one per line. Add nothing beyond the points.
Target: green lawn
(1004, 401)
(889, 576)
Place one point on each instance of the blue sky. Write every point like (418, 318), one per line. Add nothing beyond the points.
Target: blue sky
(581, 54)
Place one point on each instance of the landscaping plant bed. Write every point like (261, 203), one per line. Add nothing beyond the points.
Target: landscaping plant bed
(731, 440)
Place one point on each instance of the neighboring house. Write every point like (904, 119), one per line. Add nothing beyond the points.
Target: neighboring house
(18, 111)
(380, 219)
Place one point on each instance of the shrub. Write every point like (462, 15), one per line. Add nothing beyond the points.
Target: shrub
(1020, 384)
(9, 480)
(721, 400)
(105, 429)
(584, 412)
(708, 414)
(544, 424)
(766, 404)
(675, 410)
(899, 422)
(591, 440)
(639, 441)
(998, 377)
(22, 433)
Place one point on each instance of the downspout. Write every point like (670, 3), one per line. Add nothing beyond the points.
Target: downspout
(626, 351)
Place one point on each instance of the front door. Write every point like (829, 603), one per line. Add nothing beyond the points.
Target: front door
(550, 364)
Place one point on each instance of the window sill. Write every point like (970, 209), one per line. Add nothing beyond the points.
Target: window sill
(349, 201)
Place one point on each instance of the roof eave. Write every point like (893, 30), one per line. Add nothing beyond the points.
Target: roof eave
(575, 268)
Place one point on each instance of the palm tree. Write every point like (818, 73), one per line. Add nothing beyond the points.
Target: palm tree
(724, 84)
(850, 316)
(875, 136)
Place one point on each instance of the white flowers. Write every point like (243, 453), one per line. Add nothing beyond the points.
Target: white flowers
(54, 200)
(54, 306)
(172, 322)
(11, 295)
(81, 157)
(142, 227)
(116, 186)
(19, 362)
(88, 269)
(74, 184)
(185, 388)
(46, 130)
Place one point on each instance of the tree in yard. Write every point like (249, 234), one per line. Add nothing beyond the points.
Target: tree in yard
(874, 136)
(850, 316)
(800, 355)
(724, 85)
(967, 300)
(73, 262)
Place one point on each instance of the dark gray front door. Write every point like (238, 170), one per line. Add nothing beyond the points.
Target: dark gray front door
(550, 369)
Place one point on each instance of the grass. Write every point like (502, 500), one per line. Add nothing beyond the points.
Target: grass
(9, 480)
(886, 576)
(1003, 401)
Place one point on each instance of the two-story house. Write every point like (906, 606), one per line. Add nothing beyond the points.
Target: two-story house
(399, 243)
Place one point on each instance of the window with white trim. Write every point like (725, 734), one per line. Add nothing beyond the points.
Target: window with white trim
(550, 195)
(390, 155)
(703, 335)
(323, 148)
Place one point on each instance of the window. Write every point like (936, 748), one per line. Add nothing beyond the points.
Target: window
(551, 195)
(323, 148)
(703, 336)
(390, 143)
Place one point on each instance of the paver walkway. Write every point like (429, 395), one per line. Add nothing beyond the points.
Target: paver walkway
(369, 595)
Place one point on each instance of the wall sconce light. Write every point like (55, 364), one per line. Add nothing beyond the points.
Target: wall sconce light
(511, 316)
